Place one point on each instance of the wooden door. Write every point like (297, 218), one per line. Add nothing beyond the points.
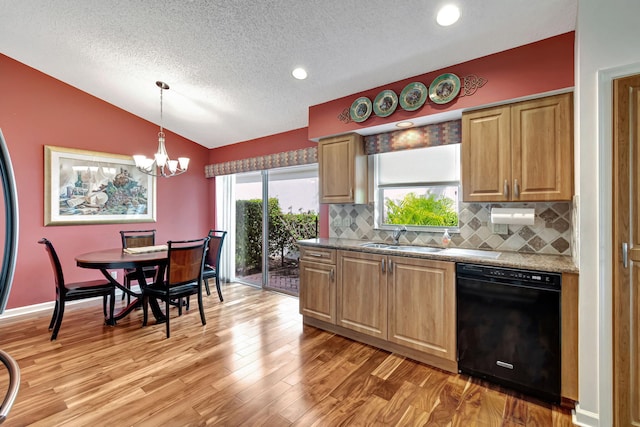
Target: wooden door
(362, 293)
(422, 305)
(318, 291)
(486, 155)
(542, 149)
(626, 263)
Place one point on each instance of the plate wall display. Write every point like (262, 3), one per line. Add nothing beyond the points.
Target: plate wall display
(360, 109)
(444, 88)
(413, 96)
(385, 103)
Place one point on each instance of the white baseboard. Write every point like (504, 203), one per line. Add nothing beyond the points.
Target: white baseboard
(585, 418)
(45, 306)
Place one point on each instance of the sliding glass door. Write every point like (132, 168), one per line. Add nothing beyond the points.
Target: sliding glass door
(293, 215)
(266, 253)
(248, 228)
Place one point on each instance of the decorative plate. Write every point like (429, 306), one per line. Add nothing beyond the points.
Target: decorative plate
(385, 103)
(444, 88)
(413, 96)
(360, 109)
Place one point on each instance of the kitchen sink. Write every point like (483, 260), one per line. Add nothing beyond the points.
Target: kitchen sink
(375, 245)
(402, 248)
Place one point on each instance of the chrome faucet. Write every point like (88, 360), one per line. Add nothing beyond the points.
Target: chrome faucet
(397, 232)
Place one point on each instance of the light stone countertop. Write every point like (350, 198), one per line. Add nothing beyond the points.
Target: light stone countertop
(551, 263)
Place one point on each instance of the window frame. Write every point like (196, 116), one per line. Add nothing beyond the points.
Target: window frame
(379, 206)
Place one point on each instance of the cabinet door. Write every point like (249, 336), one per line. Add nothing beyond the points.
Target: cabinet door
(486, 155)
(342, 170)
(362, 293)
(422, 305)
(542, 149)
(318, 291)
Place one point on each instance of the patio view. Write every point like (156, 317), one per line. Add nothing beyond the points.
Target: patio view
(292, 213)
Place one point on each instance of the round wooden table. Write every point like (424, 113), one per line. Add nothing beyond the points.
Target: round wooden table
(116, 258)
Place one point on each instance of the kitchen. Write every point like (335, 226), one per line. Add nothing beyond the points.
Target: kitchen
(598, 33)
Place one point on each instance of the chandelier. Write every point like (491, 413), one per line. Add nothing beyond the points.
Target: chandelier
(161, 164)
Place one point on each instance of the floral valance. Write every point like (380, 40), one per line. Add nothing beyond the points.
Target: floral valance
(425, 136)
(289, 158)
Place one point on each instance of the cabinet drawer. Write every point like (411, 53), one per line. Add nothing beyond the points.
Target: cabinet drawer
(323, 255)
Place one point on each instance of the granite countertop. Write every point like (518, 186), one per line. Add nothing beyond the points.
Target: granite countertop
(552, 263)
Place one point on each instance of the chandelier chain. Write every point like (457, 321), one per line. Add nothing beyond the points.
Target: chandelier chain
(161, 164)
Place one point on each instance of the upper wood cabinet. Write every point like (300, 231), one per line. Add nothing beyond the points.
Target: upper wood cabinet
(519, 152)
(342, 169)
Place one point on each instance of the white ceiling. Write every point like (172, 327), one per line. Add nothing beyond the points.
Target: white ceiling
(229, 62)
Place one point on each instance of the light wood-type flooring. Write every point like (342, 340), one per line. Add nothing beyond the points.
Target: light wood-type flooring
(254, 363)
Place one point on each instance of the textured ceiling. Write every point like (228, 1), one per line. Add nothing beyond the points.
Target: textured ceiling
(229, 62)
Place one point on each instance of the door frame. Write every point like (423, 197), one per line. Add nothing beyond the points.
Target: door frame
(605, 247)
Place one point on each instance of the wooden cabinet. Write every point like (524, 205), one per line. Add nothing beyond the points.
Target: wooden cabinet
(569, 328)
(519, 152)
(342, 166)
(422, 305)
(317, 297)
(362, 293)
(407, 301)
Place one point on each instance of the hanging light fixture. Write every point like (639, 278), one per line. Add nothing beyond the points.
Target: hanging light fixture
(161, 164)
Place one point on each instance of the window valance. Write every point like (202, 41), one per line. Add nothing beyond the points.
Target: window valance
(303, 156)
(425, 136)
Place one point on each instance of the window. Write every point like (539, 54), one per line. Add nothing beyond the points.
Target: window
(418, 188)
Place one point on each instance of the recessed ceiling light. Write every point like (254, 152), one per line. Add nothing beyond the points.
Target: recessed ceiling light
(404, 124)
(448, 15)
(299, 73)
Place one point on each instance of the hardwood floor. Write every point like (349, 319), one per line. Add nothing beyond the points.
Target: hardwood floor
(254, 363)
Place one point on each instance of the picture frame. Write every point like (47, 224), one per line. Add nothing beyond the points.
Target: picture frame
(90, 187)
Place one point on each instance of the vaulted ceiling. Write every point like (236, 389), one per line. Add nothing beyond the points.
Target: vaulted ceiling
(229, 63)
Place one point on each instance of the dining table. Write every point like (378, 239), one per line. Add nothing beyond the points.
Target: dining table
(119, 258)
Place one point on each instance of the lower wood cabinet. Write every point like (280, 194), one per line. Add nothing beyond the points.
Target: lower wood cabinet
(405, 301)
(362, 293)
(421, 302)
(317, 296)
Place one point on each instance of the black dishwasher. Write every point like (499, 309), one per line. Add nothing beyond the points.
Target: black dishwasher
(508, 325)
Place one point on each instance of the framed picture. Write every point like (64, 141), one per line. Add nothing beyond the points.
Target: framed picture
(89, 187)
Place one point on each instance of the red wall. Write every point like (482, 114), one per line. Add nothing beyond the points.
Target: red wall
(38, 110)
(535, 68)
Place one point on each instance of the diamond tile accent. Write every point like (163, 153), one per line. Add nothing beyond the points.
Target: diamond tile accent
(561, 245)
(549, 215)
(561, 225)
(552, 232)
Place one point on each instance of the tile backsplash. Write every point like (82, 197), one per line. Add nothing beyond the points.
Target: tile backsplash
(550, 234)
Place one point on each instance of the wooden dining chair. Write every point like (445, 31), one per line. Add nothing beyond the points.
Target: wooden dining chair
(76, 291)
(137, 239)
(212, 260)
(183, 277)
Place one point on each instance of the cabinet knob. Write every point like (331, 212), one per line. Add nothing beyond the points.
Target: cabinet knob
(390, 266)
(382, 263)
(516, 189)
(505, 189)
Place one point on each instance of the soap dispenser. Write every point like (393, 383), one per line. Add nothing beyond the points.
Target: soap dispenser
(446, 239)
